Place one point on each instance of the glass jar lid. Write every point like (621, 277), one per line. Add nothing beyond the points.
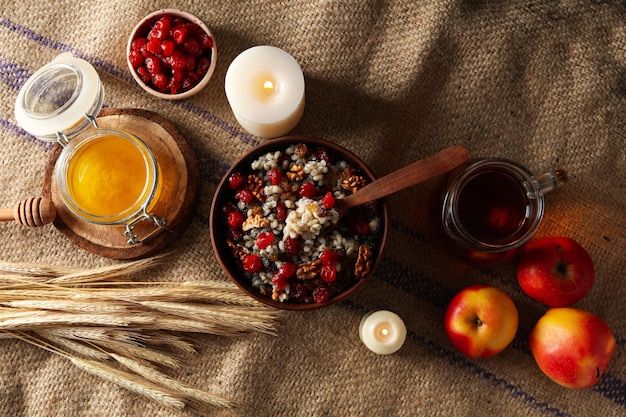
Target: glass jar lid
(57, 101)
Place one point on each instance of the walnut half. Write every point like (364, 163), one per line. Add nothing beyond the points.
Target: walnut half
(363, 265)
(295, 173)
(256, 221)
(309, 270)
(255, 185)
(239, 252)
(352, 182)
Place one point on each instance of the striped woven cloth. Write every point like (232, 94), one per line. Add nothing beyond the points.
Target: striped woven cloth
(542, 83)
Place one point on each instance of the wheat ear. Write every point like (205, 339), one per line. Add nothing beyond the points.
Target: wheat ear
(130, 382)
(162, 379)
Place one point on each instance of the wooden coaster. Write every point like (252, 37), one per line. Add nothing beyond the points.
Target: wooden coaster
(179, 177)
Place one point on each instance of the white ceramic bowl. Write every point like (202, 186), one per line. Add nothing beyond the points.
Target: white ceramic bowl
(141, 30)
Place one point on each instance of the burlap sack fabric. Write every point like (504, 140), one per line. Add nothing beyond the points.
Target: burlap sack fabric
(538, 82)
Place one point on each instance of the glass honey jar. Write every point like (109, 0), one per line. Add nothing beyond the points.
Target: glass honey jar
(104, 176)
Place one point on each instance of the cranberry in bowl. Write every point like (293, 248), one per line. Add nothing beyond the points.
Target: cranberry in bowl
(171, 54)
(275, 231)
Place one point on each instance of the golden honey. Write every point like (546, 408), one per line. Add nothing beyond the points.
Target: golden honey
(107, 176)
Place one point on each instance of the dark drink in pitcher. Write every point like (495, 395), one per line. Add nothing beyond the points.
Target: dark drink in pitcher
(492, 206)
(488, 208)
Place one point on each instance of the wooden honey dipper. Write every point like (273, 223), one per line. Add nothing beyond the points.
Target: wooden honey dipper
(33, 212)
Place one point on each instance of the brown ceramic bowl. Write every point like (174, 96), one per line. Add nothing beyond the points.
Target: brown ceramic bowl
(141, 30)
(220, 229)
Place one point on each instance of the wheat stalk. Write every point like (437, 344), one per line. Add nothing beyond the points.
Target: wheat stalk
(162, 379)
(126, 380)
(130, 382)
(34, 271)
(33, 319)
(72, 345)
(92, 315)
(69, 306)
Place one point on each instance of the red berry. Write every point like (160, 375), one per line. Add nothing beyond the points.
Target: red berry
(274, 176)
(153, 64)
(279, 281)
(179, 33)
(174, 86)
(160, 81)
(235, 219)
(252, 263)
(163, 24)
(292, 246)
(188, 83)
(244, 195)
(329, 257)
(328, 201)
(157, 33)
(191, 46)
(154, 46)
(287, 270)
(135, 58)
(190, 63)
(264, 239)
(236, 181)
(307, 189)
(371, 208)
(320, 154)
(168, 47)
(281, 212)
(178, 60)
(298, 291)
(321, 294)
(328, 273)
(236, 235)
(179, 75)
(206, 42)
(361, 227)
(202, 67)
(138, 44)
(144, 74)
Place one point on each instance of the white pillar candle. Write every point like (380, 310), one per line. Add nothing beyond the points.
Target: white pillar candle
(383, 332)
(265, 89)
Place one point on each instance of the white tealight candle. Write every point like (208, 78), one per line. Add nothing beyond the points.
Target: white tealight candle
(265, 89)
(383, 332)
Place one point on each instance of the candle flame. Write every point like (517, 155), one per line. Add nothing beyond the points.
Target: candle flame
(383, 332)
(268, 86)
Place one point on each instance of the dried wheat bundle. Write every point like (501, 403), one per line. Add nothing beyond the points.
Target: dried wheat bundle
(125, 330)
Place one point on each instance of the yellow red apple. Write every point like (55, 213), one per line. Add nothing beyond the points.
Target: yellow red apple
(572, 347)
(481, 321)
(556, 271)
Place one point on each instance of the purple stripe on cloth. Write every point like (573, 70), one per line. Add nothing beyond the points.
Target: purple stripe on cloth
(59, 46)
(12, 75)
(8, 126)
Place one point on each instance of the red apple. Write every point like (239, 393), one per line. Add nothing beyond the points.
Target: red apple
(572, 347)
(481, 321)
(555, 271)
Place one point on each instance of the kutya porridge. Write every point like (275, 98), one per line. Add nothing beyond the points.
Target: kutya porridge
(278, 211)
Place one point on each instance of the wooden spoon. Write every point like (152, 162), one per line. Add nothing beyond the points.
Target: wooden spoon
(33, 212)
(412, 174)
